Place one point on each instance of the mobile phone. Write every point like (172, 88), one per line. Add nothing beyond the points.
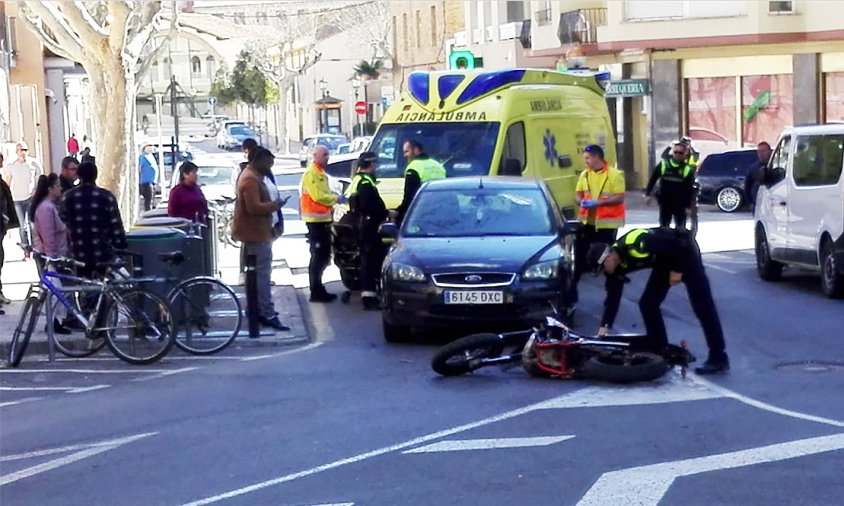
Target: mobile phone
(285, 199)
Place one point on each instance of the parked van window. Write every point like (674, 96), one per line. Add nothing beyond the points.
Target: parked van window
(817, 161)
(779, 161)
(514, 145)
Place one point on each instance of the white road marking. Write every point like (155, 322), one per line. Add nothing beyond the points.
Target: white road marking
(647, 485)
(92, 449)
(83, 371)
(282, 353)
(488, 444)
(719, 268)
(670, 388)
(35, 389)
(165, 373)
(336, 504)
(169, 358)
(368, 455)
(87, 389)
(20, 401)
(725, 392)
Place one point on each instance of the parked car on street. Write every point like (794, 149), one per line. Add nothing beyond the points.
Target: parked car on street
(232, 136)
(331, 141)
(722, 177)
(475, 251)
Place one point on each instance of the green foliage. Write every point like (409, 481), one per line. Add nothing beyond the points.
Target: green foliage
(371, 69)
(245, 83)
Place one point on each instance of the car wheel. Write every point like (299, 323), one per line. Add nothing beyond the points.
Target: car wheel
(394, 333)
(832, 281)
(768, 269)
(729, 200)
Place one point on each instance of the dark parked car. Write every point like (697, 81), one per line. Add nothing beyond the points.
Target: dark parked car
(486, 252)
(722, 177)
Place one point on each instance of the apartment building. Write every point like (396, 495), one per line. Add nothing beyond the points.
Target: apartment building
(421, 30)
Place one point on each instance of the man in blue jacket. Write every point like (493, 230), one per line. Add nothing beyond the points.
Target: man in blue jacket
(148, 169)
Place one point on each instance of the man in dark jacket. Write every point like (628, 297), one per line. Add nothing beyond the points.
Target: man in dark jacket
(366, 202)
(676, 178)
(673, 257)
(67, 177)
(756, 175)
(420, 168)
(93, 221)
(8, 221)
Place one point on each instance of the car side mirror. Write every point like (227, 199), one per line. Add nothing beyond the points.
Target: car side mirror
(389, 231)
(564, 161)
(511, 167)
(571, 227)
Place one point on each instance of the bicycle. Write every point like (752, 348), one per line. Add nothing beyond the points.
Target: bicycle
(224, 215)
(553, 349)
(134, 323)
(207, 315)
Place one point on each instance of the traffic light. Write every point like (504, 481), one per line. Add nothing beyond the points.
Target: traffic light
(463, 59)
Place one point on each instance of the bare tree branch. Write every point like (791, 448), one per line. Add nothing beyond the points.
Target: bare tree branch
(81, 24)
(119, 12)
(64, 41)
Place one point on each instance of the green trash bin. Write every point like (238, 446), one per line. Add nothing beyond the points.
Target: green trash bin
(160, 212)
(193, 247)
(147, 243)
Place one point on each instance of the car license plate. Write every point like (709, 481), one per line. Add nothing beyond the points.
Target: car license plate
(473, 297)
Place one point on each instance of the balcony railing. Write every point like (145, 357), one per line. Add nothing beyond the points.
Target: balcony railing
(581, 26)
(543, 17)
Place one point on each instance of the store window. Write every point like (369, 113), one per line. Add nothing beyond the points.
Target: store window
(712, 113)
(766, 107)
(834, 85)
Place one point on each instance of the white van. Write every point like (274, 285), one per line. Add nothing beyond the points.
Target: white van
(800, 207)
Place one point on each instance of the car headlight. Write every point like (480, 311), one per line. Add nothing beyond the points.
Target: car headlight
(542, 270)
(404, 272)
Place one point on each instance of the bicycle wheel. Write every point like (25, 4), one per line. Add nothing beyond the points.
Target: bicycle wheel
(138, 326)
(206, 315)
(26, 325)
(463, 355)
(75, 344)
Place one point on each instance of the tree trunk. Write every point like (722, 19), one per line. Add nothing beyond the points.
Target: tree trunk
(113, 103)
(281, 126)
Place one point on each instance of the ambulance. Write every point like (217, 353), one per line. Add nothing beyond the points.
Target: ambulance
(523, 122)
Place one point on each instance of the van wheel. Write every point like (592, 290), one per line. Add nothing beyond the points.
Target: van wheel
(729, 200)
(768, 269)
(832, 281)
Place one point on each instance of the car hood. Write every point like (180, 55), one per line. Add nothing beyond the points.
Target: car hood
(217, 191)
(457, 254)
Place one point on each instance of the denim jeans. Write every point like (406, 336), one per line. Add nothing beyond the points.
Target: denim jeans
(22, 208)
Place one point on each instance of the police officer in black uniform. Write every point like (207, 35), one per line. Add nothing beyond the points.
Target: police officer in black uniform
(673, 257)
(366, 203)
(676, 177)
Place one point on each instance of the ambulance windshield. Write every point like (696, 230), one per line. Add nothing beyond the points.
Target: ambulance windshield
(464, 149)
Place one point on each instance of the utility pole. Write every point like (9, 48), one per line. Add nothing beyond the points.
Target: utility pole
(174, 107)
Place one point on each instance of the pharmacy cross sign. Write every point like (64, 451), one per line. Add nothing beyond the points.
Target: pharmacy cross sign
(628, 88)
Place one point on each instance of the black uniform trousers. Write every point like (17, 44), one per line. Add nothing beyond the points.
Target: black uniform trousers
(700, 297)
(146, 194)
(587, 236)
(319, 239)
(669, 209)
(372, 253)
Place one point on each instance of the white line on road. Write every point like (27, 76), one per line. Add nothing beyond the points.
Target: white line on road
(488, 444)
(165, 373)
(20, 401)
(70, 390)
(83, 371)
(94, 449)
(282, 353)
(719, 268)
(764, 406)
(368, 455)
(646, 485)
(87, 389)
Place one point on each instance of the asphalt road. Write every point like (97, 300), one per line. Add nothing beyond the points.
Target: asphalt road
(349, 419)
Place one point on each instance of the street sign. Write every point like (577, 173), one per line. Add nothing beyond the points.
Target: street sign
(628, 88)
(212, 101)
(360, 107)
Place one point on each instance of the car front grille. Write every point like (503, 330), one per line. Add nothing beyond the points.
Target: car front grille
(473, 279)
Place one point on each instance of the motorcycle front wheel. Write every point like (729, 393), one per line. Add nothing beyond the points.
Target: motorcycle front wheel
(465, 354)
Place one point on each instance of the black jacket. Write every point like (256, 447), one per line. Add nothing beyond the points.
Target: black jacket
(367, 203)
(9, 218)
(672, 191)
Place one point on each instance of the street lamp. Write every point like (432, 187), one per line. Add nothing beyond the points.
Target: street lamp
(323, 86)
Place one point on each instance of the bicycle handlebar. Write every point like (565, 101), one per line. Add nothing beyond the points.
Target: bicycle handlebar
(57, 260)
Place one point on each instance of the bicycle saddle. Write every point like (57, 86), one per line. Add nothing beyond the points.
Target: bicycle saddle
(172, 258)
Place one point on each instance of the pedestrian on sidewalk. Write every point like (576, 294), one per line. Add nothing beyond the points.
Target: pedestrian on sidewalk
(73, 146)
(148, 176)
(600, 198)
(8, 221)
(21, 176)
(673, 257)
(252, 225)
(186, 198)
(315, 205)
(67, 178)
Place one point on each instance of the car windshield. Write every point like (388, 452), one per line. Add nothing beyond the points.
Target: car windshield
(479, 212)
(331, 142)
(464, 149)
(215, 175)
(239, 130)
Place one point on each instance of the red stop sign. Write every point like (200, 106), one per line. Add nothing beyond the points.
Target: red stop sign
(360, 107)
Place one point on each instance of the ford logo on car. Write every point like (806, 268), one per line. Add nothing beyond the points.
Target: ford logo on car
(474, 278)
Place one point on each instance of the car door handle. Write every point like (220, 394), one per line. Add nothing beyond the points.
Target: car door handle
(782, 203)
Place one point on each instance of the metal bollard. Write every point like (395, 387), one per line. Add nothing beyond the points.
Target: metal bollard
(252, 297)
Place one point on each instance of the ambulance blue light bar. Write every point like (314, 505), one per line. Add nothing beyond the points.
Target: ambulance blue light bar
(417, 82)
(447, 84)
(489, 81)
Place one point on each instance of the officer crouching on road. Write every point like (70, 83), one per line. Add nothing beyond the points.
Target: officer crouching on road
(673, 257)
(366, 202)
